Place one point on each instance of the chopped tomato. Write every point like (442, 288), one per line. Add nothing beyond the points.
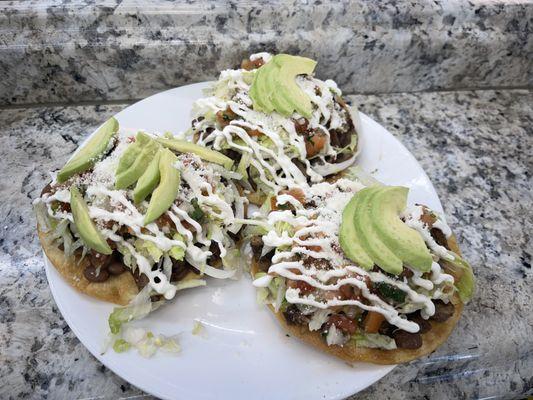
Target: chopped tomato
(305, 288)
(254, 132)
(297, 193)
(224, 117)
(314, 142)
(373, 321)
(249, 65)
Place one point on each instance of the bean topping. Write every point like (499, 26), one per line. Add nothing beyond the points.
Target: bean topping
(294, 316)
(96, 275)
(443, 311)
(116, 268)
(406, 340)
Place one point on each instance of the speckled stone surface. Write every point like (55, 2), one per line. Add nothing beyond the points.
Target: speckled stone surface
(476, 148)
(61, 51)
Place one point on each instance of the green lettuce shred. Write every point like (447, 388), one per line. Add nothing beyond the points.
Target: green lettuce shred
(467, 284)
(374, 341)
(177, 252)
(120, 346)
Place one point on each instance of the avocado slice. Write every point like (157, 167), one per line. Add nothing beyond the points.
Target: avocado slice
(89, 233)
(139, 166)
(148, 180)
(259, 91)
(204, 153)
(281, 103)
(168, 188)
(288, 89)
(274, 86)
(404, 242)
(88, 155)
(349, 241)
(371, 241)
(132, 152)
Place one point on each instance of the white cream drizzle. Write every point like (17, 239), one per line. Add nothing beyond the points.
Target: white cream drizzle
(412, 218)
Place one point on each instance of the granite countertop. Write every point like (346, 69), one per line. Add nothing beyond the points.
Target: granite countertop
(475, 147)
(64, 51)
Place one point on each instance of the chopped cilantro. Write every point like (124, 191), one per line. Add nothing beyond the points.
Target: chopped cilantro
(197, 214)
(390, 292)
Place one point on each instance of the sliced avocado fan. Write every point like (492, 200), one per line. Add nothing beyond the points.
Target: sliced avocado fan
(89, 154)
(132, 151)
(132, 173)
(89, 233)
(168, 188)
(349, 241)
(371, 241)
(372, 232)
(204, 153)
(148, 180)
(404, 241)
(274, 86)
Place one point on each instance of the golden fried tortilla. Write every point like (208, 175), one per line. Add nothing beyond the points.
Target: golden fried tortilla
(430, 340)
(119, 289)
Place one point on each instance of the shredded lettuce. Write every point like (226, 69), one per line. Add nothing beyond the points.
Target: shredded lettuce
(41, 213)
(374, 341)
(466, 284)
(356, 173)
(244, 163)
(121, 346)
(177, 252)
(273, 294)
(139, 307)
(146, 343)
(318, 319)
(335, 336)
(148, 249)
(197, 328)
(233, 260)
(191, 283)
(263, 293)
(127, 258)
(282, 226)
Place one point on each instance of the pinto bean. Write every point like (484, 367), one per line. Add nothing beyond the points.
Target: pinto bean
(425, 325)
(301, 125)
(116, 268)
(94, 275)
(99, 260)
(47, 189)
(443, 311)
(179, 270)
(257, 245)
(406, 340)
(294, 316)
(350, 292)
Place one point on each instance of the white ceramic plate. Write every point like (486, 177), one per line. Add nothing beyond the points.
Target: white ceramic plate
(243, 353)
